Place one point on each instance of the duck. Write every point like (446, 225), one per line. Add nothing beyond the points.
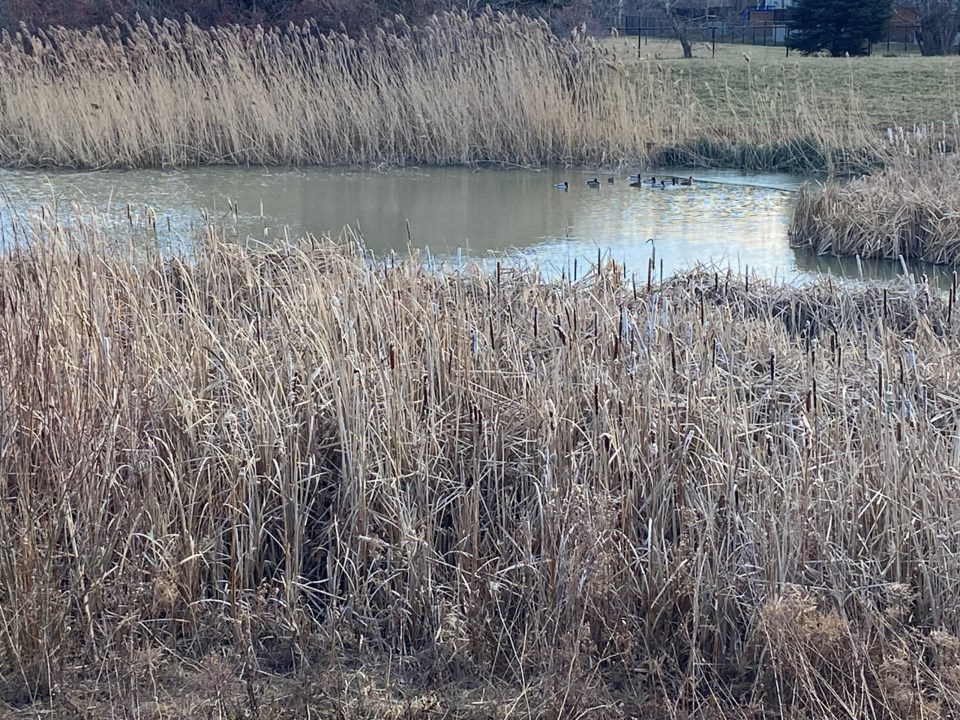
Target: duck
(562, 186)
(673, 181)
(595, 183)
(634, 180)
(663, 184)
(653, 182)
(688, 181)
(610, 180)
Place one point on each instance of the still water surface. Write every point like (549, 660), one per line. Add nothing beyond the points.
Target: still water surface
(730, 218)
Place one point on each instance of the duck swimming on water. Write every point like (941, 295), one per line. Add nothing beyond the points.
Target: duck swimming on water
(562, 186)
(688, 181)
(595, 183)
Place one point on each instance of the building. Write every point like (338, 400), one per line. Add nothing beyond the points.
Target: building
(903, 25)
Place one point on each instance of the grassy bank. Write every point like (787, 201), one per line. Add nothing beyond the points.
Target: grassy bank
(260, 481)
(908, 210)
(888, 91)
(457, 90)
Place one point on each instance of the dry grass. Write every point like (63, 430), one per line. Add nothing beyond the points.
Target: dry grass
(468, 493)
(908, 210)
(889, 92)
(458, 90)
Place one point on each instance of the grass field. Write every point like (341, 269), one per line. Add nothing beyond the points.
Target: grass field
(890, 91)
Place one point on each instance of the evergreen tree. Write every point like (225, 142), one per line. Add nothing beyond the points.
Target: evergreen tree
(839, 26)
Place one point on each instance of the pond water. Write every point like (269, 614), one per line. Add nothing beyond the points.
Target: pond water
(729, 218)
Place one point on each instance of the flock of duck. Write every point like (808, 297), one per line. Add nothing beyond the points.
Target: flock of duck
(635, 181)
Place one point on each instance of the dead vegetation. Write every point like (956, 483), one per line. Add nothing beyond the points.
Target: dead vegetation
(456, 90)
(908, 210)
(267, 482)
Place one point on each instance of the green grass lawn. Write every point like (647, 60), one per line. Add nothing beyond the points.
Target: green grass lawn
(892, 90)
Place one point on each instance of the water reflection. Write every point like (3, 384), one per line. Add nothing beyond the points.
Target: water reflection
(726, 217)
(742, 226)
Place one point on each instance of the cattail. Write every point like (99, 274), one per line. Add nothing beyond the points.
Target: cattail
(953, 296)
(559, 329)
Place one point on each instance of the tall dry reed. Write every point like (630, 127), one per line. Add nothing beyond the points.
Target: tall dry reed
(459, 89)
(710, 495)
(908, 210)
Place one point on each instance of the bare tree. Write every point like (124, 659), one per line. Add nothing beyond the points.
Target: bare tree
(608, 13)
(680, 24)
(939, 22)
(686, 18)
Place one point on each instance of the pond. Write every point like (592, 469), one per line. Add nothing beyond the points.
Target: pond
(725, 217)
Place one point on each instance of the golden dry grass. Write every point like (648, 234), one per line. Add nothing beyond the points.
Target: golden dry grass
(457, 90)
(715, 495)
(908, 210)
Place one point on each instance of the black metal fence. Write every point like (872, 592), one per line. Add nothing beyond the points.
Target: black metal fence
(724, 33)
(900, 38)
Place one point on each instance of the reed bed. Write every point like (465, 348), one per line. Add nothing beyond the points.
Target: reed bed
(457, 90)
(249, 482)
(908, 210)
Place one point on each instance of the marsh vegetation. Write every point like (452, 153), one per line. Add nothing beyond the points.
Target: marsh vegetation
(708, 495)
(457, 90)
(295, 479)
(907, 210)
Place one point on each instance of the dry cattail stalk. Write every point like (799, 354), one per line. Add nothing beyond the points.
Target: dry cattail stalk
(177, 477)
